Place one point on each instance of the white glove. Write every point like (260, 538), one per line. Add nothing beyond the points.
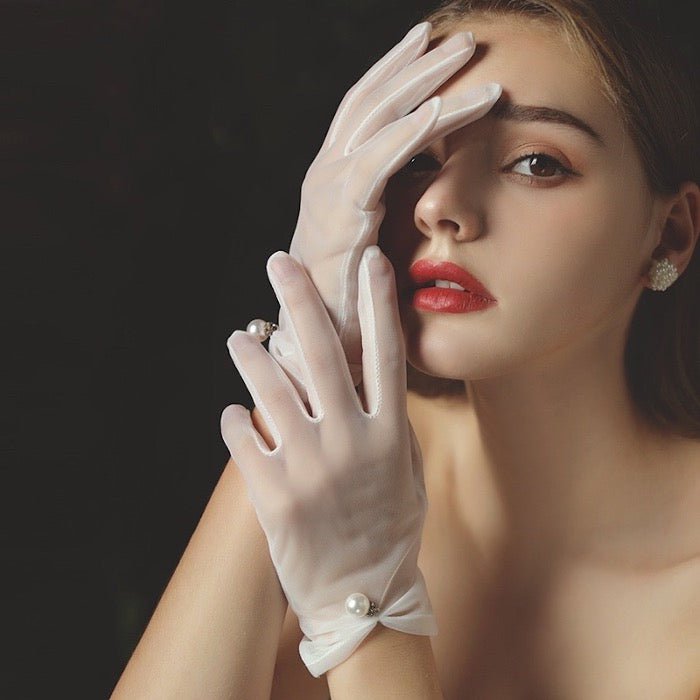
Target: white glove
(341, 498)
(370, 139)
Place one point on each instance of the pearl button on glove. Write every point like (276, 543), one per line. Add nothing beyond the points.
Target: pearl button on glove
(341, 497)
(373, 134)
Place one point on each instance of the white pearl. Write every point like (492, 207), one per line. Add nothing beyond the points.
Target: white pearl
(357, 604)
(257, 329)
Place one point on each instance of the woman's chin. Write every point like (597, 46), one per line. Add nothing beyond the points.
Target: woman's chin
(434, 367)
(463, 364)
(440, 354)
(427, 371)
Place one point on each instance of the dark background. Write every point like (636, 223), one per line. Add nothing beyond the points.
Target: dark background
(151, 156)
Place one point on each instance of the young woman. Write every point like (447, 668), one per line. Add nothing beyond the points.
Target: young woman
(555, 400)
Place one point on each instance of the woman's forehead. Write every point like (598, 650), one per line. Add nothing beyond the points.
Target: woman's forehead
(536, 66)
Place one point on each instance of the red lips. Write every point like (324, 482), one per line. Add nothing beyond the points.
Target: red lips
(424, 271)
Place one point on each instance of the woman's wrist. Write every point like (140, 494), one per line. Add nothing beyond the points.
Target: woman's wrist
(388, 664)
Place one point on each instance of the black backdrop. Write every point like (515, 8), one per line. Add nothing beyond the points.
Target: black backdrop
(152, 154)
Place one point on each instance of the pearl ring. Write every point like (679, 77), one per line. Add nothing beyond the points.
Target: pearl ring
(261, 329)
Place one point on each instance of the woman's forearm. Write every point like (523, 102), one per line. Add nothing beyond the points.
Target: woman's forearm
(216, 629)
(387, 665)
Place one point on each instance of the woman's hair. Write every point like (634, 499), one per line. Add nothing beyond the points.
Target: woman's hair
(649, 75)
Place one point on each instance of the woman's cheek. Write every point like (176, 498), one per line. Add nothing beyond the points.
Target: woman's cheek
(537, 237)
(554, 272)
(591, 256)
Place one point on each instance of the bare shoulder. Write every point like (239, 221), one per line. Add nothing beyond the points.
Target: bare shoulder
(292, 680)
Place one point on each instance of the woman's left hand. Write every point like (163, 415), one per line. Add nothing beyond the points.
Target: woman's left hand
(341, 497)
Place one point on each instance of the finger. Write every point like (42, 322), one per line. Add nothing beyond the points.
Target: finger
(397, 97)
(390, 149)
(359, 182)
(395, 143)
(401, 55)
(269, 386)
(248, 451)
(328, 378)
(459, 110)
(383, 353)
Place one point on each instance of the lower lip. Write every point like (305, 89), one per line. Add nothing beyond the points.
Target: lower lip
(451, 301)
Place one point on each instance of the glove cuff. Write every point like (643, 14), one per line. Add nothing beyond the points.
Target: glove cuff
(330, 642)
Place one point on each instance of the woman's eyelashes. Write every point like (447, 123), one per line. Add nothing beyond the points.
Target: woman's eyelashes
(413, 165)
(543, 168)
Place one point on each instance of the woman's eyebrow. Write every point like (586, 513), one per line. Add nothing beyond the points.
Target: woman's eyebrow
(531, 113)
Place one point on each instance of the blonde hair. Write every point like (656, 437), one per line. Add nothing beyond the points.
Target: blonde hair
(653, 85)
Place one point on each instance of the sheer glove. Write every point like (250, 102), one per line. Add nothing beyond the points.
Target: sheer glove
(370, 139)
(341, 497)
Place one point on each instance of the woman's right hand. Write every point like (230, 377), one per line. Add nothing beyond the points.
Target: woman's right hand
(373, 135)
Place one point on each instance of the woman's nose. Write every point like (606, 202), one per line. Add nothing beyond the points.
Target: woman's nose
(448, 207)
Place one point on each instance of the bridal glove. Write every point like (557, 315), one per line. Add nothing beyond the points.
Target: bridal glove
(373, 134)
(341, 497)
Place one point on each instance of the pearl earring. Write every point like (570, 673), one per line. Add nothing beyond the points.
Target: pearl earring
(662, 274)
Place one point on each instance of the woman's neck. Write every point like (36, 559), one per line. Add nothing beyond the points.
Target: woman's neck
(563, 448)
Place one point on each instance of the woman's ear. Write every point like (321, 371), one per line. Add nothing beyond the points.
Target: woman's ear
(681, 226)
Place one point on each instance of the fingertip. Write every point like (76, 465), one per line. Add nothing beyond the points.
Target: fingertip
(371, 252)
(277, 254)
(235, 408)
(428, 111)
(281, 266)
(235, 339)
(435, 103)
(493, 91)
(375, 260)
(230, 416)
(419, 30)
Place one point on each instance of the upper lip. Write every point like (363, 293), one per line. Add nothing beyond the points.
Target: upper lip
(423, 271)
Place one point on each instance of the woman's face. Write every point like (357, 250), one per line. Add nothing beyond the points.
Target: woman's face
(563, 254)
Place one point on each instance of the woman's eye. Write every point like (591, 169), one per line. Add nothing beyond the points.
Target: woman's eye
(540, 165)
(419, 164)
(535, 167)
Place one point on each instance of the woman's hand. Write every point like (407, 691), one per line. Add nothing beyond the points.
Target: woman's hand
(370, 139)
(341, 497)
